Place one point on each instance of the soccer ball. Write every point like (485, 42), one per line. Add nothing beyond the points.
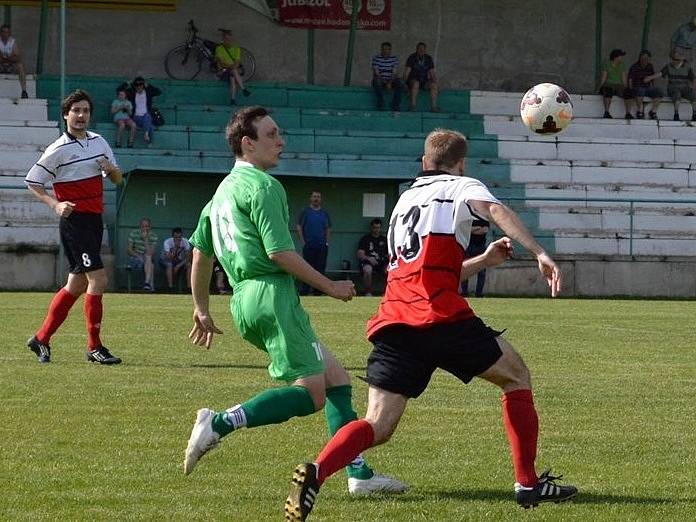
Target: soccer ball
(546, 109)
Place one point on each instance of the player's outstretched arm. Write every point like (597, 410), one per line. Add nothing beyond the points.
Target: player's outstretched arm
(204, 328)
(293, 264)
(510, 223)
(496, 253)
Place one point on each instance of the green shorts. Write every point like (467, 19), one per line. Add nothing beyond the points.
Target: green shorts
(268, 314)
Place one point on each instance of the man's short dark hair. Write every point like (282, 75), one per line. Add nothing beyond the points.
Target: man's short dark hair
(5, 26)
(177, 230)
(419, 44)
(120, 89)
(445, 147)
(242, 124)
(386, 44)
(74, 97)
(375, 221)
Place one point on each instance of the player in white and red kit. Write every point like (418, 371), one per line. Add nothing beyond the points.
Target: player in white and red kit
(75, 165)
(423, 324)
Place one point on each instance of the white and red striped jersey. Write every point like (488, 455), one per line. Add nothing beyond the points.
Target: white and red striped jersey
(70, 164)
(428, 234)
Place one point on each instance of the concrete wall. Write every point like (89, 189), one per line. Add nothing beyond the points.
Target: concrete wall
(477, 44)
(587, 276)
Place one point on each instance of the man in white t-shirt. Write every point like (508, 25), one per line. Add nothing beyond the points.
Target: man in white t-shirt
(10, 58)
(176, 255)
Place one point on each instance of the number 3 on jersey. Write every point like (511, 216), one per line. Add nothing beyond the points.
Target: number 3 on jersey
(223, 228)
(404, 240)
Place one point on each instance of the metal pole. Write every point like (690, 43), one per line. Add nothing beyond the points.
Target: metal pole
(630, 229)
(42, 37)
(598, 40)
(310, 56)
(7, 15)
(351, 41)
(647, 22)
(62, 54)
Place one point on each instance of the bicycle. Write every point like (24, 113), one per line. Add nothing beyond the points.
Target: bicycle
(185, 61)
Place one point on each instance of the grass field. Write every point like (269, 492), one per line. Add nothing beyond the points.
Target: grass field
(615, 386)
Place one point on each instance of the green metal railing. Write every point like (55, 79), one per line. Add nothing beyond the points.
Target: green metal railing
(630, 201)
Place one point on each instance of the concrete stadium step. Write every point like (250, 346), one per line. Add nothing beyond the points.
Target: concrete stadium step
(612, 245)
(102, 90)
(656, 221)
(28, 132)
(599, 128)
(604, 197)
(30, 234)
(584, 105)
(603, 172)
(607, 149)
(18, 157)
(32, 109)
(10, 88)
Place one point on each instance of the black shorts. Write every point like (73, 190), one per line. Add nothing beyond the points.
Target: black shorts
(404, 358)
(378, 268)
(81, 236)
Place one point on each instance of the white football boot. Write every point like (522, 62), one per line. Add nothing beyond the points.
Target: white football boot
(375, 484)
(202, 439)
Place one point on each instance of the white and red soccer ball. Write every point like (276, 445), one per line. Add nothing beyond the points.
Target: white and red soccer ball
(546, 109)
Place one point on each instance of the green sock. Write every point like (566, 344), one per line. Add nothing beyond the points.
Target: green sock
(268, 407)
(339, 411)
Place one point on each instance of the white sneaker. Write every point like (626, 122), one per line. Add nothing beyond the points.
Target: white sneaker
(375, 484)
(202, 439)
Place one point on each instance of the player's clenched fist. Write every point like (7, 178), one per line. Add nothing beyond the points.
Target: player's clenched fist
(343, 290)
(64, 208)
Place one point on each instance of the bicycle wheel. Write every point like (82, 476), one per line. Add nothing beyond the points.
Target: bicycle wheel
(183, 62)
(247, 67)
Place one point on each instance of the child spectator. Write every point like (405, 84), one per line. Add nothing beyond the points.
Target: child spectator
(122, 110)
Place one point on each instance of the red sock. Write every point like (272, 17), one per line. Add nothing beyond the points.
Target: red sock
(348, 442)
(93, 318)
(57, 312)
(522, 426)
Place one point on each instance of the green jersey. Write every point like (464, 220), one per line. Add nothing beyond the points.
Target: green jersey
(246, 220)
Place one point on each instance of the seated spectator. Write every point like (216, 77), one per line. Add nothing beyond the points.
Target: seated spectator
(122, 110)
(11, 59)
(221, 284)
(476, 247)
(684, 41)
(175, 256)
(614, 82)
(420, 74)
(140, 94)
(680, 83)
(384, 77)
(229, 58)
(372, 254)
(636, 82)
(141, 250)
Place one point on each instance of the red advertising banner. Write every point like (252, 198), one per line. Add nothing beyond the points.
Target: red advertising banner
(373, 15)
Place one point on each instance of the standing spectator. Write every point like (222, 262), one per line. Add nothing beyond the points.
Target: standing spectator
(11, 59)
(176, 256)
(684, 41)
(141, 249)
(75, 164)
(681, 82)
(476, 247)
(228, 55)
(314, 231)
(221, 283)
(140, 93)
(372, 254)
(384, 77)
(420, 74)
(122, 110)
(614, 82)
(636, 82)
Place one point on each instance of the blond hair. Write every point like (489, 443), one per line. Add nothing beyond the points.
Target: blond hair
(445, 148)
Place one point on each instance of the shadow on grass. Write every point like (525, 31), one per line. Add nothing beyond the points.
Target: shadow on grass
(507, 495)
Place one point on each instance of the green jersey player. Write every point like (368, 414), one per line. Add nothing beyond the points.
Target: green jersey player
(246, 226)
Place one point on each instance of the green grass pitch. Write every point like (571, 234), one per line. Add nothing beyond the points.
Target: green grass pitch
(615, 385)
